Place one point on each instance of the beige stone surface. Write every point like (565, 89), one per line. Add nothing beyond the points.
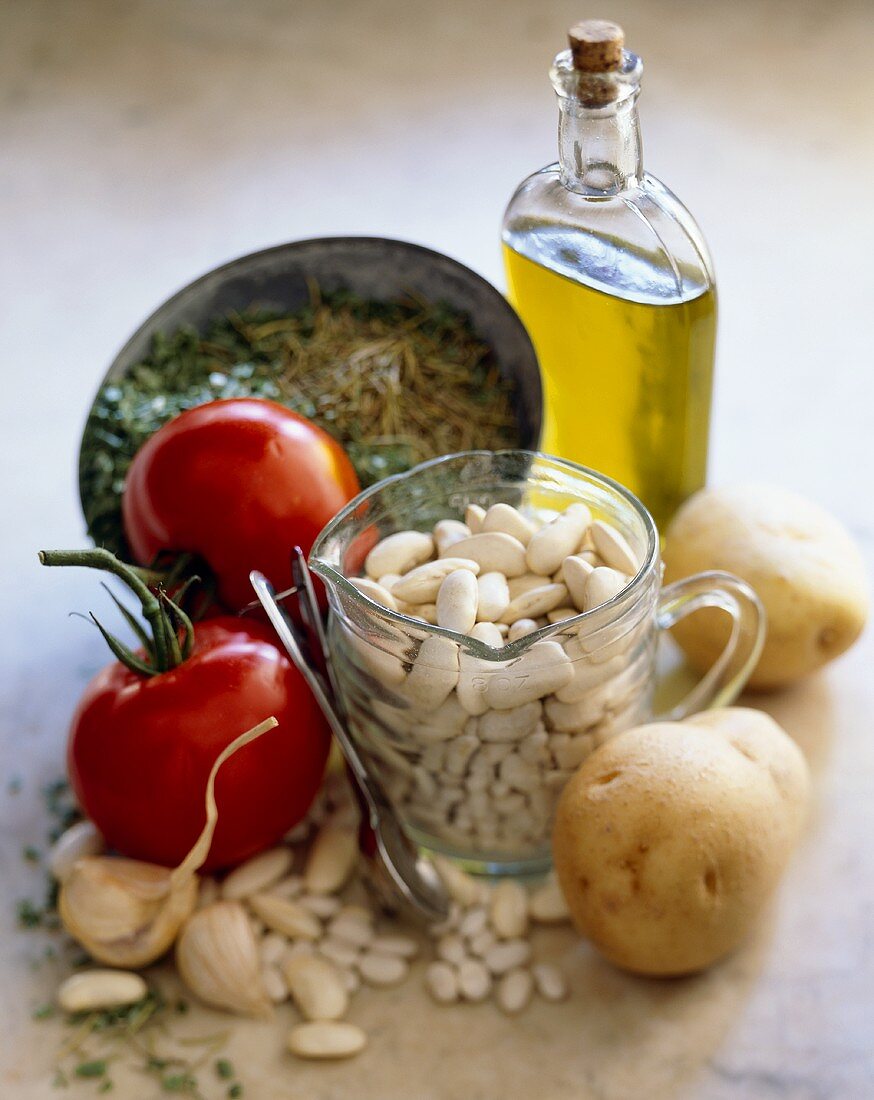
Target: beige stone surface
(143, 143)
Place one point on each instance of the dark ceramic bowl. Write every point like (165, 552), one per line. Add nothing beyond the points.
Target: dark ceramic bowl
(371, 267)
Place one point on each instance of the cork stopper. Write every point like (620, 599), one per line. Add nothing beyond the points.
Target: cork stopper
(596, 46)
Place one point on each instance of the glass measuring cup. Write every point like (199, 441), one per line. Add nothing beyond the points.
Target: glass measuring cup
(475, 757)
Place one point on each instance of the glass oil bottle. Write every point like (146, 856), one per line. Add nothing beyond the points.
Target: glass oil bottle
(612, 278)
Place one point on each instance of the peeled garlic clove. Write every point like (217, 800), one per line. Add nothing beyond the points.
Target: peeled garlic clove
(124, 912)
(217, 958)
(127, 913)
(80, 840)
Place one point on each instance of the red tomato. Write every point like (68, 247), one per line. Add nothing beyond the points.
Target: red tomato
(141, 748)
(239, 482)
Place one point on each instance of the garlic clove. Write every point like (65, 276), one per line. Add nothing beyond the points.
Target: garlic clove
(127, 913)
(123, 912)
(217, 958)
(81, 839)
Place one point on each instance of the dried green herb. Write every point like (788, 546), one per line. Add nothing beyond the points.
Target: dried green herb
(95, 1068)
(224, 1069)
(395, 382)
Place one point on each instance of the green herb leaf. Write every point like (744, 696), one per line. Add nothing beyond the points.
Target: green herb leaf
(96, 1068)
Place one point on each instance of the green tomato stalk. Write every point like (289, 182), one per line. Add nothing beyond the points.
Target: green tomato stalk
(169, 636)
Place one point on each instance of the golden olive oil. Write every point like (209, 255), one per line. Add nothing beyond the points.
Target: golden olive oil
(612, 278)
(627, 384)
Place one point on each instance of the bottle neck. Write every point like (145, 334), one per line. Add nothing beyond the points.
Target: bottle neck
(599, 149)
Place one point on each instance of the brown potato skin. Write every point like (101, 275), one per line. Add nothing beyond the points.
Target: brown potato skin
(802, 563)
(670, 838)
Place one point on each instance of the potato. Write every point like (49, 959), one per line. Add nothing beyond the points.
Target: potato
(670, 838)
(802, 563)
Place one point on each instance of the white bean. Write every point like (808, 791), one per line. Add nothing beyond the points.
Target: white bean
(509, 910)
(520, 628)
(510, 725)
(323, 905)
(459, 752)
(507, 955)
(539, 671)
(474, 980)
(560, 614)
(570, 752)
(451, 949)
(386, 667)
(535, 602)
(398, 553)
(587, 674)
(547, 904)
(89, 990)
(504, 517)
(488, 633)
(473, 517)
(289, 887)
(613, 548)
(519, 774)
(442, 982)
(549, 981)
(434, 673)
(389, 944)
(375, 591)
(257, 874)
(495, 552)
(326, 1039)
(576, 572)
(447, 532)
(421, 585)
(557, 540)
(578, 716)
(474, 920)
(482, 942)
(274, 984)
(518, 585)
(340, 952)
(330, 860)
(462, 887)
(352, 930)
(514, 991)
(382, 970)
(272, 949)
(603, 584)
(457, 602)
(494, 595)
(286, 916)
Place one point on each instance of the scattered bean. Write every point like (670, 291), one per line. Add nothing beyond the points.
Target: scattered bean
(326, 1039)
(257, 874)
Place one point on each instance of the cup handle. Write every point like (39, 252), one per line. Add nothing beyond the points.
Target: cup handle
(723, 682)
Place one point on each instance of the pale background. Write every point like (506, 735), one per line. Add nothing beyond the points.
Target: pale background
(143, 143)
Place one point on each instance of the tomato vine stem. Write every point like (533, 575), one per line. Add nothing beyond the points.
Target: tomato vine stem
(163, 615)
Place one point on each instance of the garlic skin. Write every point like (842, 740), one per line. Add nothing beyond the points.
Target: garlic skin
(123, 912)
(217, 958)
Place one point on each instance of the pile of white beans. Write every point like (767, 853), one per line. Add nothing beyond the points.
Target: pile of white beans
(474, 752)
(320, 937)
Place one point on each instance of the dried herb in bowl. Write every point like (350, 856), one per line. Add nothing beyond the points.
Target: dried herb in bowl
(395, 382)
